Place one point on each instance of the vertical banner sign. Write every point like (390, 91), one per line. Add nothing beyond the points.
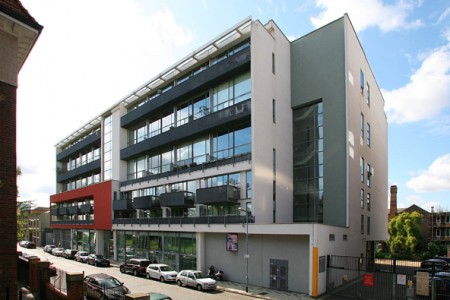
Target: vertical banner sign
(368, 279)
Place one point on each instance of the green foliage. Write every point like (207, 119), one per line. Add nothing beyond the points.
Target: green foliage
(23, 209)
(404, 234)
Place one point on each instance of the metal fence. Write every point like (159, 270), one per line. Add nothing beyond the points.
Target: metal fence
(363, 278)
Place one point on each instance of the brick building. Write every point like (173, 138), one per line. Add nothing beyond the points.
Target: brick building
(18, 34)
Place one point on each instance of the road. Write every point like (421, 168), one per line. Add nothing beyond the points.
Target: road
(135, 284)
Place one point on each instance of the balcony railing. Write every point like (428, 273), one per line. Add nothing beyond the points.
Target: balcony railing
(218, 195)
(146, 202)
(227, 219)
(73, 222)
(177, 199)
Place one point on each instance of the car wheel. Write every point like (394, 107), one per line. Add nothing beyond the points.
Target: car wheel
(199, 287)
(147, 275)
(122, 270)
(179, 283)
(162, 279)
(135, 272)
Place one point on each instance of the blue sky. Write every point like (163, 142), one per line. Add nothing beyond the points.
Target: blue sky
(93, 53)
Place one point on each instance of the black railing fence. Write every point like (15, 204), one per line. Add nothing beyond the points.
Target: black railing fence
(364, 278)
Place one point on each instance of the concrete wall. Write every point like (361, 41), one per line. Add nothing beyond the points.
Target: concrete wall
(318, 73)
(267, 135)
(262, 248)
(376, 154)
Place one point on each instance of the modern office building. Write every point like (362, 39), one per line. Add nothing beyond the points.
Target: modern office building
(256, 154)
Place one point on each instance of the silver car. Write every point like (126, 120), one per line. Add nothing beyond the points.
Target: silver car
(196, 279)
(161, 272)
(81, 256)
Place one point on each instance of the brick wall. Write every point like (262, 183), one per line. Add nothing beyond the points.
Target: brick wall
(8, 193)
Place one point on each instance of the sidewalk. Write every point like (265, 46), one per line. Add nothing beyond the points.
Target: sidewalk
(253, 291)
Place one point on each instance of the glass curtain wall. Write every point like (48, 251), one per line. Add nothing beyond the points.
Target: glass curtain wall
(178, 250)
(308, 163)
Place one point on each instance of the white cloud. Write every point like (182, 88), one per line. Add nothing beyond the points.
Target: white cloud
(427, 93)
(368, 13)
(444, 15)
(88, 57)
(435, 178)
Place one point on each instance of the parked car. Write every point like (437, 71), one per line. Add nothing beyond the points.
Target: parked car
(103, 286)
(161, 272)
(97, 260)
(27, 244)
(447, 259)
(69, 253)
(49, 248)
(136, 266)
(57, 251)
(81, 256)
(196, 279)
(442, 283)
(439, 265)
(158, 296)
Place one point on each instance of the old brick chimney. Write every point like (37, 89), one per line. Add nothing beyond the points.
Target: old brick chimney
(393, 203)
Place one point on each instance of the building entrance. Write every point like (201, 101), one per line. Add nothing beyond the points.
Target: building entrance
(279, 274)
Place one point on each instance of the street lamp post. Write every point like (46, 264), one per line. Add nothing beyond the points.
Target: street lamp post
(247, 256)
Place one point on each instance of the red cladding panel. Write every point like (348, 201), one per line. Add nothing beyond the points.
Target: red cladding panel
(102, 195)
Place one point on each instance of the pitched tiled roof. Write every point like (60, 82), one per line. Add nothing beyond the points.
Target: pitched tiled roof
(15, 9)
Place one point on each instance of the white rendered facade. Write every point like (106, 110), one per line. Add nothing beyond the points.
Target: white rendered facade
(283, 78)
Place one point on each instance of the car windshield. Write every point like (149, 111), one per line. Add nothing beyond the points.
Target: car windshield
(83, 254)
(100, 256)
(165, 268)
(109, 282)
(200, 275)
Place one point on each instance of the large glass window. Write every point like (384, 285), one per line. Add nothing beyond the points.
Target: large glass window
(242, 88)
(107, 147)
(308, 163)
(201, 106)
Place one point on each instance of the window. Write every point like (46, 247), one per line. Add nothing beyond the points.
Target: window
(344, 237)
(369, 174)
(362, 224)
(273, 111)
(368, 93)
(361, 163)
(362, 198)
(331, 237)
(368, 225)
(368, 201)
(361, 80)
(362, 126)
(249, 184)
(368, 134)
(273, 63)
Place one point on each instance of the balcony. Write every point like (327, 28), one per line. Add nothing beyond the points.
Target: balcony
(72, 210)
(54, 211)
(80, 171)
(73, 222)
(177, 199)
(224, 194)
(227, 219)
(62, 211)
(146, 202)
(234, 114)
(87, 142)
(224, 70)
(86, 209)
(122, 204)
(209, 164)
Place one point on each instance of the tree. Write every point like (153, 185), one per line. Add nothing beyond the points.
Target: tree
(404, 233)
(23, 209)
